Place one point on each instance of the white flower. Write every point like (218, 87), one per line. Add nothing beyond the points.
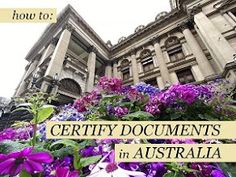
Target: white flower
(105, 169)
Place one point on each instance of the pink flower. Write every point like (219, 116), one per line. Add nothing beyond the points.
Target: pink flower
(110, 84)
(12, 164)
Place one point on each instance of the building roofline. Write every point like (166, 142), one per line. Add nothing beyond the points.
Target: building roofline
(146, 28)
(69, 10)
(63, 16)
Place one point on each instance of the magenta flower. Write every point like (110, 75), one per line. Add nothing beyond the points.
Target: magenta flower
(12, 164)
(120, 111)
(110, 85)
(65, 172)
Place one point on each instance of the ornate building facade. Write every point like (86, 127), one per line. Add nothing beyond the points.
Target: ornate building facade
(193, 43)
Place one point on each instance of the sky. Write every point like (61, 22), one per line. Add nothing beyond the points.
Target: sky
(111, 19)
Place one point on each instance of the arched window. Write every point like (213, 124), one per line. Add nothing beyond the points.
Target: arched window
(125, 69)
(174, 49)
(70, 86)
(146, 60)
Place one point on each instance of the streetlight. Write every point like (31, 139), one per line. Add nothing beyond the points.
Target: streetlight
(34, 80)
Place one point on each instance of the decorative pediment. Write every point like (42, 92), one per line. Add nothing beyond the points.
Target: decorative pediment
(145, 53)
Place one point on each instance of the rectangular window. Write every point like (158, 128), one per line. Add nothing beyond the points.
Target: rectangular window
(185, 76)
(126, 74)
(147, 65)
(152, 82)
(176, 55)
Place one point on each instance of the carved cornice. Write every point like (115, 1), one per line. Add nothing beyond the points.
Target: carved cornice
(132, 51)
(147, 28)
(54, 41)
(195, 10)
(69, 27)
(224, 4)
(184, 25)
(155, 40)
(92, 49)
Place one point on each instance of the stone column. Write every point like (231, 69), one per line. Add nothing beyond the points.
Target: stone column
(115, 70)
(162, 64)
(216, 42)
(203, 62)
(197, 73)
(230, 20)
(49, 49)
(58, 57)
(160, 82)
(108, 70)
(91, 68)
(134, 66)
(174, 77)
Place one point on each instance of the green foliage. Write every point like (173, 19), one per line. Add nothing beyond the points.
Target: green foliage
(173, 174)
(24, 174)
(229, 168)
(84, 162)
(177, 170)
(66, 143)
(44, 113)
(9, 146)
(139, 115)
(63, 152)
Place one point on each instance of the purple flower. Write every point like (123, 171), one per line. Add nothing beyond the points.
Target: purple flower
(152, 109)
(146, 88)
(12, 164)
(65, 172)
(217, 173)
(7, 134)
(120, 111)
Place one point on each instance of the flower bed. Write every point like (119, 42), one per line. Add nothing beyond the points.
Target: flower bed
(26, 152)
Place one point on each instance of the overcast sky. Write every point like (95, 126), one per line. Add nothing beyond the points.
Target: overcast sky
(111, 19)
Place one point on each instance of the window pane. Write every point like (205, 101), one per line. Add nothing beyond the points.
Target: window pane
(185, 76)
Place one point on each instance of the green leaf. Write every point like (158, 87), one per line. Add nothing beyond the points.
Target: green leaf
(9, 146)
(44, 113)
(175, 116)
(171, 174)
(21, 109)
(86, 143)
(76, 160)
(63, 152)
(139, 115)
(24, 174)
(111, 97)
(84, 162)
(66, 143)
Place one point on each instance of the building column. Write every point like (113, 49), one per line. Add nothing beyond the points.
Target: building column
(174, 78)
(203, 63)
(197, 73)
(216, 42)
(49, 49)
(134, 66)
(162, 64)
(108, 71)
(91, 68)
(160, 83)
(58, 57)
(115, 70)
(228, 17)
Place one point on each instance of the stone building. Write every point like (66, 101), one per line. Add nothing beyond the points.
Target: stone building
(194, 42)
